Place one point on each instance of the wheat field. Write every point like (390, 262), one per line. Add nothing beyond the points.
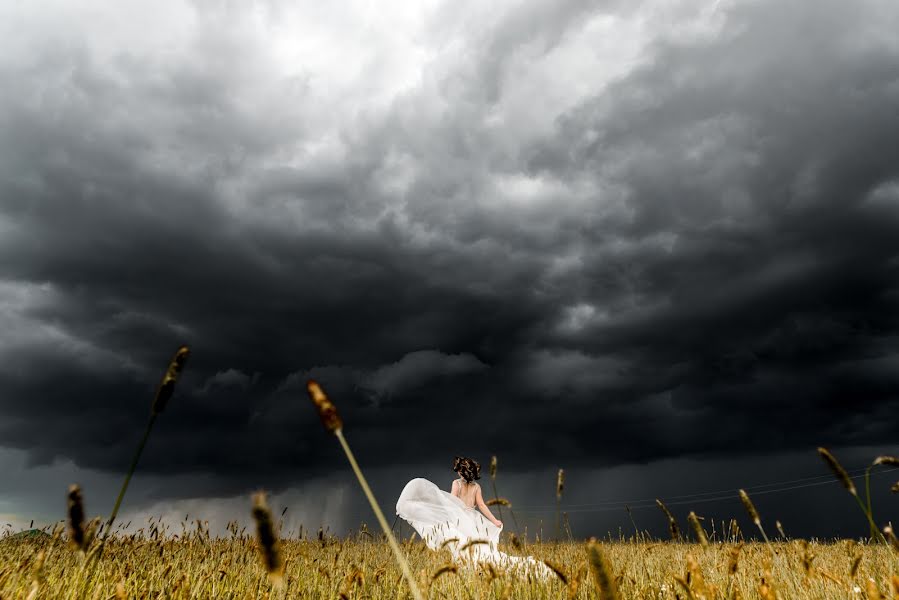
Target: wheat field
(198, 566)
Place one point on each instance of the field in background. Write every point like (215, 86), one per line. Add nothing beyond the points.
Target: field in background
(198, 567)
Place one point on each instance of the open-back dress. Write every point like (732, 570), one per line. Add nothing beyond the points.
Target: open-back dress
(444, 521)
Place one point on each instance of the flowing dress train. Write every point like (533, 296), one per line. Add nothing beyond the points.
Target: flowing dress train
(443, 521)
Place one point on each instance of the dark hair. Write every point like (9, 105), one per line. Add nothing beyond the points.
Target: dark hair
(468, 468)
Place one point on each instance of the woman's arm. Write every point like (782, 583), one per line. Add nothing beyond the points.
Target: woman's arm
(485, 509)
(454, 489)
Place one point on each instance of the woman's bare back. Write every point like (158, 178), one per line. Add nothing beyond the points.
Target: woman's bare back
(466, 492)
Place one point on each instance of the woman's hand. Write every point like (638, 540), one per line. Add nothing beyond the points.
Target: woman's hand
(498, 523)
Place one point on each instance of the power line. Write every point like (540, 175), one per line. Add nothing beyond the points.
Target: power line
(701, 494)
(698, 498)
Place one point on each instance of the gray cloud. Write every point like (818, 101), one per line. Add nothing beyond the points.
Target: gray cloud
(671, 224)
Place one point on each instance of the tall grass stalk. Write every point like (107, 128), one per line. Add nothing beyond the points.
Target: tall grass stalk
(163, 394)
(493, 484)
(892, 461)
(333, 423)
(601, 569)
(843, 477)
(160, 400)
(672, 523)
(634, 523)
(753, 514)
(269, 547)
(560, 486)
(496, 495)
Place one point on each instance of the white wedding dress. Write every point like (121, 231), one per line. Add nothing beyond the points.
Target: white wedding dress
(443, 521)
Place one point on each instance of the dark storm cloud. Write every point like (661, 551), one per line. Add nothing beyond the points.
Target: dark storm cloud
(772, 169)
(698, 258)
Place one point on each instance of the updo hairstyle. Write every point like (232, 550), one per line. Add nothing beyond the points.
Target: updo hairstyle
(467, 468)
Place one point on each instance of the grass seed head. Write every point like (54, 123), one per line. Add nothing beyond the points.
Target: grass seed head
(838, 470)
(672, 523)
(167, 385)
(557, 570)
(892, 461)
(449, 541)
(603, 576)
(891, 537)
(516, 543)
(269, 547)
(750, 507)
(665, 509)
(327, 412)
(806, 559)
(853, 569)
(697, 529)
(560, 483)
(471, 544)
(872, 590)
(446, 568)
(733, 559)
(75, 511)
(493, 467)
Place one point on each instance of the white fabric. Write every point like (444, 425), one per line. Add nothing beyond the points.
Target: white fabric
(443, 521)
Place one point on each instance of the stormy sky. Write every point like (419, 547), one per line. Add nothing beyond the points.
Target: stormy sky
(653, 243)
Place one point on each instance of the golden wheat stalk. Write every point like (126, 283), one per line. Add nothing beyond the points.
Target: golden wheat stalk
(560, 485)
(838, 470)
(448, 541)
(672, 524)
(844, 478)
(447, 568)
(733, 560)
(269, 547)
(470, 543)
(753, 513)
(602, 573)
(493, 484)
(885, 460)
(872, 591)
(634, 523)
(37, 576)
(697, 529)
(163, 394)
(853, 568)
(780, 529)
(557, 570)
(327, 412)
(75, 511)
(888, 531)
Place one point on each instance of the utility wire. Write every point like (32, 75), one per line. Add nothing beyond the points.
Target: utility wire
(828, 477)
(698, 498)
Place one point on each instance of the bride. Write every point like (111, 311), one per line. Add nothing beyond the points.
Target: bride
(453, 521)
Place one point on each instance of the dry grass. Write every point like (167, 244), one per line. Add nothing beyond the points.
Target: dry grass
(196, 566)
